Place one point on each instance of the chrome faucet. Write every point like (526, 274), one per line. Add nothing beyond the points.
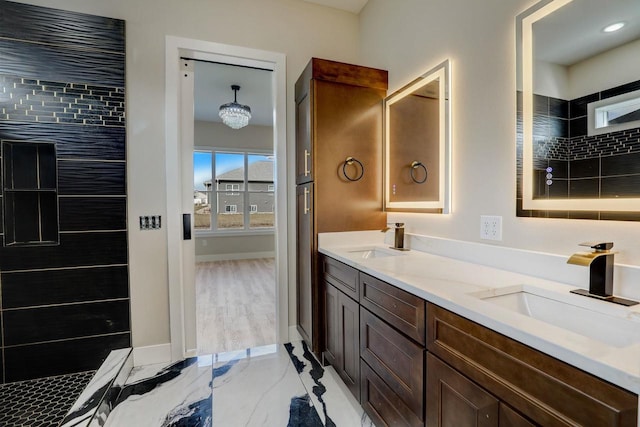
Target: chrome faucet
(600, 263)
(398, 237)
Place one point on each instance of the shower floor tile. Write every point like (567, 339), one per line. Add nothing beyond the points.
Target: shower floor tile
(40, 402)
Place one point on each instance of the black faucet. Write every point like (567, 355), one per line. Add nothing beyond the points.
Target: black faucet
(600, 263)
(398, 237)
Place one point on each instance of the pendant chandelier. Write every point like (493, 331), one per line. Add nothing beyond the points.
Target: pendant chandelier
(235, 115)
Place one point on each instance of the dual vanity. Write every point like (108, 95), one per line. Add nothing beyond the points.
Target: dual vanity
(422, 339)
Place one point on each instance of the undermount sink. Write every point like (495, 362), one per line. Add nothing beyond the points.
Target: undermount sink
(614, 325)
(373, 253)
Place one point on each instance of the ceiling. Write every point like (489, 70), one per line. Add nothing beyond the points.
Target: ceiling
(353, 6)
(574, 33)
(213, 88)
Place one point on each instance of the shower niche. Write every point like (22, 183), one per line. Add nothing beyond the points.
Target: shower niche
(30, 193)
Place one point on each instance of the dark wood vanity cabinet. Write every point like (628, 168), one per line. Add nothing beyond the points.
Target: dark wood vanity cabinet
(476, 366)
(338, 115)
(468, 375)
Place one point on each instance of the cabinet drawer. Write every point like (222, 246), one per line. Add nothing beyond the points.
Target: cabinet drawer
(341, 276)
(544, 389)
(404, 311)
(395, 358)
(382, 405)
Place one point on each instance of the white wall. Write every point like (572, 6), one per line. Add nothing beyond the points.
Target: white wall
(411, 36)
(210, 134)
(610, 69)
(213, 134)
(298, 29)
(551, 79)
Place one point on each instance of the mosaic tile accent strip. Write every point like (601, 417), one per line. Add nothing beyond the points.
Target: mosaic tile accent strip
(555, 148)
(34, 100)
(41, 402)
(609, 144)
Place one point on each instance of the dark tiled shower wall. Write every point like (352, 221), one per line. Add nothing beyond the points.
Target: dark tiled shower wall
(64, 307)
(583, 166)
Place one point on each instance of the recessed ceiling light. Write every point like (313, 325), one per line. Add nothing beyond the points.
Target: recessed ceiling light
(613, 27)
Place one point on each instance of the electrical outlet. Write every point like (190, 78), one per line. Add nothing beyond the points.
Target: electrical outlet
(490, 227)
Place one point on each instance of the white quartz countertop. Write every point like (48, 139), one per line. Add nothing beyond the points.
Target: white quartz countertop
(452, 283)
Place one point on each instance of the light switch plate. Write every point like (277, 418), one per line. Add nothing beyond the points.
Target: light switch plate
(150, 222)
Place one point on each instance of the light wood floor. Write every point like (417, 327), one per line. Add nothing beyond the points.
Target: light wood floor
(235, 304)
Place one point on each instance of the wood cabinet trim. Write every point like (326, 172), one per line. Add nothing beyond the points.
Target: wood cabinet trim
(539, 386)
(355, 75)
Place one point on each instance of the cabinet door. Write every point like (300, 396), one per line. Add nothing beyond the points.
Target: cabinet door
(305, 261)
(454, 401)
(349, 343)
(331, 340)
(304, 138)
(342, 337)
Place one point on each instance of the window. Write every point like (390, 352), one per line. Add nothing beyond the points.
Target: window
(614, 114)
(233, 190)
(232, 187)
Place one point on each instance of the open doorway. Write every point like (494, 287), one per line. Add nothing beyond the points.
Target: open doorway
(179, 100)
(234, 215)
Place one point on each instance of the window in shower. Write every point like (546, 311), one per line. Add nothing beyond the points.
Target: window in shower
(29, 193)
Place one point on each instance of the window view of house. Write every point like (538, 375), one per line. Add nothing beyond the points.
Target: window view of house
(233, 191)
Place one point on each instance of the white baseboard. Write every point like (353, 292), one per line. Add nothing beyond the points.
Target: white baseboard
(294, 335)
(228, 257)
(151, 354)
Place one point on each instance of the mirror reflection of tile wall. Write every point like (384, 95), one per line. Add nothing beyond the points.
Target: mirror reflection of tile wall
(570, 164)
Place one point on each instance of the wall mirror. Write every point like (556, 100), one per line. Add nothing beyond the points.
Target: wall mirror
(578, 141)
(418, 144)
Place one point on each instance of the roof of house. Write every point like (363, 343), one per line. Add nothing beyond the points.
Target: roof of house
(258, 171)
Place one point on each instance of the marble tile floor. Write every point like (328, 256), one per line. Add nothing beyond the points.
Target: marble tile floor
(273, 385)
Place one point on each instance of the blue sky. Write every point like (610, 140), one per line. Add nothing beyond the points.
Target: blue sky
(224, 163)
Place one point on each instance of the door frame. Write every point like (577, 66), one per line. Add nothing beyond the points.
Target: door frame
(182, 321)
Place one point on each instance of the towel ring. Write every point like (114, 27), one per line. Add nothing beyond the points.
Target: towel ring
(415, 165)
(348, 162)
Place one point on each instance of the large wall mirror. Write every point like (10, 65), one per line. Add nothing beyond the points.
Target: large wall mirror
(418, 144)
(578, 142)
